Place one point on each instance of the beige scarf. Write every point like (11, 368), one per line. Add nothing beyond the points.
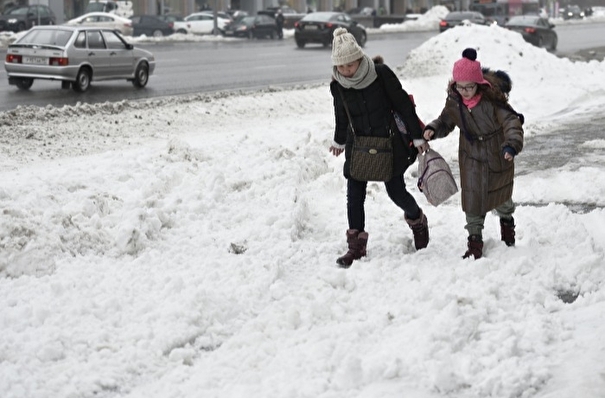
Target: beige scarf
(365, 75)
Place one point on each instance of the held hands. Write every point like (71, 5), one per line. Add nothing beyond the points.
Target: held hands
(428, 134)
(508, 156)
(336, 151)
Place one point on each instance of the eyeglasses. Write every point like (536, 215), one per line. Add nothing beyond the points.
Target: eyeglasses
(468, 88)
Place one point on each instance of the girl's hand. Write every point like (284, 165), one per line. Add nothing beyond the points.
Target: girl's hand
(336, 151)
(428, 134)
(508, 156)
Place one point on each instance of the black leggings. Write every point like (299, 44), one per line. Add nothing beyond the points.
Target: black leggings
(356, 196)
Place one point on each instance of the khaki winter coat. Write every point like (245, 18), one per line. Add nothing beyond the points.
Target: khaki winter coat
(486, 178)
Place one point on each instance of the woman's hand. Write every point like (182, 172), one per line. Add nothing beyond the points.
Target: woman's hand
(422, 148)
(336, 151)
(508, 156)
(428, 134)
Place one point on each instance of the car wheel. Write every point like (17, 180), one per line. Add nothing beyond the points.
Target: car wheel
(363, 38)
(216, 32)
(553, 46)
(157, 33)
(20, 27)
(182, 31)
(25, 84)
(141, 76)
(82, 80)
(300, 43)
(540, 42)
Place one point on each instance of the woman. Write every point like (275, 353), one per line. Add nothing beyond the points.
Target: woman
(371, 92)
(491, 136)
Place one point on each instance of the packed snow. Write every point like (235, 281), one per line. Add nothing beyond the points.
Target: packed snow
(186, 246)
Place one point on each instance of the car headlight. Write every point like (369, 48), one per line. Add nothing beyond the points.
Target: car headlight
(12, 20)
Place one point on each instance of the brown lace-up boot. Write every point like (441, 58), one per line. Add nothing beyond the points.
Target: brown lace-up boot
(420, 229)
(507, 231)
(475, 247)
(357, 242)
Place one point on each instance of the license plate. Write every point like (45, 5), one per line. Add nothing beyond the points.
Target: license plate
(310, 27)
(35, 60)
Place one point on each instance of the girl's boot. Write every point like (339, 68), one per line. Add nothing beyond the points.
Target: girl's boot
(507, 231)
(420, 229)
(475, 247)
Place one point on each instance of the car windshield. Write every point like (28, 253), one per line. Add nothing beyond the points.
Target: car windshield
(459, 16)
(246, 21)
(18, 11)
(95, 7)
(523, 21)
(318, 16)
(48, 37)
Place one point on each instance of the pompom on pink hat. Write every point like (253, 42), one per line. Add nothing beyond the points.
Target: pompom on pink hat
(468, 69)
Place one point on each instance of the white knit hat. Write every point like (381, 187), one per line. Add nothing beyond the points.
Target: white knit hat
(345, 48)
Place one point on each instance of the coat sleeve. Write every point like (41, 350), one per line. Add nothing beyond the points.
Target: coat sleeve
(513, 130)
(401, 101)
(340, 115)
(443, 125)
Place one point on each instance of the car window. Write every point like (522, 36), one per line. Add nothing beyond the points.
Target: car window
(95, 40)
(52, 37)
(135, 19)
(80, 40)
(89, 19)
(113, 41)
(103, 18)
(18, 11)
(44, 12)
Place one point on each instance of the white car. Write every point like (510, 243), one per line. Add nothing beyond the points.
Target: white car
(202, 23)
(103, 20)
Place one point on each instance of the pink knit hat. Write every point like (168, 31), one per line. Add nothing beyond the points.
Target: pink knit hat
(468, 69)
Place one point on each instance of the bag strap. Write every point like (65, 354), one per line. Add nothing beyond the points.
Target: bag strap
(346, 108)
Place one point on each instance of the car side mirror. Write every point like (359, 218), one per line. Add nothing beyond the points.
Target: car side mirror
(129, 46)
(552, 25)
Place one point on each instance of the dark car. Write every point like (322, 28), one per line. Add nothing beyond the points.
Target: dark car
(150, 25)
(573, 12)
(318, 27)
(23, 18)
(535, 30)
(257, 26)
(456, 18)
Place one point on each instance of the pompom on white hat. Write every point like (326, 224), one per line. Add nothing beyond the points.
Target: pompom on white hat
(345, 48)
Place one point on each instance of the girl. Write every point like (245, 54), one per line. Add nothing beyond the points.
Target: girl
(491, 136)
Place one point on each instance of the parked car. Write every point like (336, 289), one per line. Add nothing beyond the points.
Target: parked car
(220, 14)
(23, 18)
(535, 30)
(572, 12)
(318, 27)
(202, 23)
(76, 56)
(150, 25)
(179, 25)
(456, 18)
(257, 26)
(122, 8)
(104, 20)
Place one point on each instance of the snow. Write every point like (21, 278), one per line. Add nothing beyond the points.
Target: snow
(185, 246)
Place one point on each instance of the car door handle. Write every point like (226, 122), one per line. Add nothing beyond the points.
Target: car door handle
(91, 53)
(112, 53)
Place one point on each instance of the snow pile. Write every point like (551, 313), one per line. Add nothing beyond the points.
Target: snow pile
(185, 246)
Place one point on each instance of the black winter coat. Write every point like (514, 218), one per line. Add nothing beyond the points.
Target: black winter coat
(370, 110)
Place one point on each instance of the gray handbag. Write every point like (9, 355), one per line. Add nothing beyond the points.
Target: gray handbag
(435, 179)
